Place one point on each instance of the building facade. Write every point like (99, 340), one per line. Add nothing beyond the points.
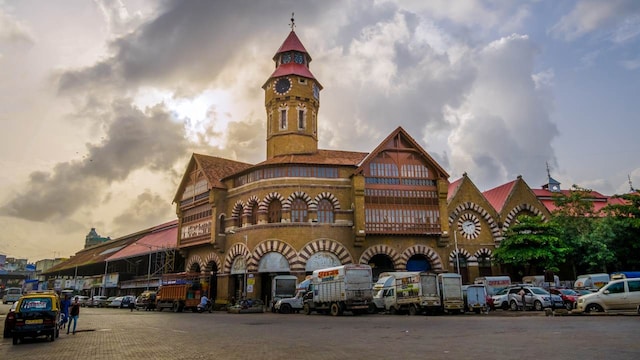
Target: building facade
(305, 208)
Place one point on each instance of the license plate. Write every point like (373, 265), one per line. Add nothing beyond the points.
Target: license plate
(31, 322)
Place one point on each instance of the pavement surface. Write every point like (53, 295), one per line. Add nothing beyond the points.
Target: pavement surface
(121, 334)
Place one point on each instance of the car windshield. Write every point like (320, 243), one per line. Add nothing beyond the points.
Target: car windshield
(568, 292)
(539, 291)
(503, 291)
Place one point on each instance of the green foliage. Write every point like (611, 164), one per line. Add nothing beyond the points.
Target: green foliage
(532, 243)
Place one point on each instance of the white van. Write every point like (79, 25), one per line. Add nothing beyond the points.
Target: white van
(11, 295)
(617, 295)
(591, 281)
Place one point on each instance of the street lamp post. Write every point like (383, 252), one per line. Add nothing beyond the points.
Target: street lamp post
(246, 267)
(149, 269)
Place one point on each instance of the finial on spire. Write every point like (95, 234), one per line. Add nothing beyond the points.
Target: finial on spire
(630, 183)
(548, 172)
(293, 22)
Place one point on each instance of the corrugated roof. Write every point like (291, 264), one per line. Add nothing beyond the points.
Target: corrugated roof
(165, 238)
(599, 200)
(321, 157)
(95, 254)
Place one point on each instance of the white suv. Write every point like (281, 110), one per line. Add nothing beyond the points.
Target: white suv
(617, 295)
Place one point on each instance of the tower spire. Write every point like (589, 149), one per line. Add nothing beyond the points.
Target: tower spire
(630, 183)
(293, 22)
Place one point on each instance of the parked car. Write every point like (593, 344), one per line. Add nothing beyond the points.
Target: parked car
(82, 300)
(10, 321)
(501, 299)
(11, 295)
(569, 297)
(97, 301)
(617, 295)
(114, 302)
(126, 300)
(37, 314)
(536, 298)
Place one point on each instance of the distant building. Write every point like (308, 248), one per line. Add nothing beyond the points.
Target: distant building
(93, 238)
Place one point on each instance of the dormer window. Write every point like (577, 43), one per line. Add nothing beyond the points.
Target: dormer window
(298, 58)
(286, 58)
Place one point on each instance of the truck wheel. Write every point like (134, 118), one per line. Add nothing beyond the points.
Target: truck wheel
(335, 309)
(306, 309)
(175, 307)
(412, 310)
(393, 311)
(285, 309)
(372, 309)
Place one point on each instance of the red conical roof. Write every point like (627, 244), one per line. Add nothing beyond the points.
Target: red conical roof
(291, 43)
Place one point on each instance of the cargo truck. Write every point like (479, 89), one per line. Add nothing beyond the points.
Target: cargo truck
(181, 291)
(451, 293)
(338, 289)
(407, 292)
(493, 284)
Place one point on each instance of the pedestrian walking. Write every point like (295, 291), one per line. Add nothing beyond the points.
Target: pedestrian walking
(65, 304)
(74, 314)
(522, 294)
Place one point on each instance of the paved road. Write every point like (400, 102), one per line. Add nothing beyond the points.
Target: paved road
(120, 334)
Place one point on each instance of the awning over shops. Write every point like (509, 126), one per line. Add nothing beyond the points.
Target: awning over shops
(163, 237)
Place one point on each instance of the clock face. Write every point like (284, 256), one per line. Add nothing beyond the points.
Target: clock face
(282, 86)
(316, 91)
(298, 58)
(286, 58)
(469, 226)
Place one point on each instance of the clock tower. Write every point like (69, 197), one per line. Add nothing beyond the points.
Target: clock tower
(292, 100)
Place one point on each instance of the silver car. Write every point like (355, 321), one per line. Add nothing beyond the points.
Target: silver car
(535, 298)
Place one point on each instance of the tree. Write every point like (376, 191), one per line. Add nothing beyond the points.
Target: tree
(623, 225)
(532, 244)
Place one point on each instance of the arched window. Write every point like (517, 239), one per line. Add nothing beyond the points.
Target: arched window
(237, 221)
(484, 265)
(275, 211)
(253, 219)
(325, 211)
(463, 269)
(298, 210)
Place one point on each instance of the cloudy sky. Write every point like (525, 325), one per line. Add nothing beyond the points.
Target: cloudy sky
(102, 102)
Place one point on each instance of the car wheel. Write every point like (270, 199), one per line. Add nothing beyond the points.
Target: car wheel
(568, 305)
(372, 309)
(593, 308)
(285, 309)
(514, 306)
(505, 305)
(537, 305)
(52, 336)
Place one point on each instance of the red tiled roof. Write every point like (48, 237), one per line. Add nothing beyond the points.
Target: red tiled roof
(498, 195)
(165, 237)
(322, 157)
(453, 187)
(292, 69)
(216, 168)
(291, 43)
(599, 201)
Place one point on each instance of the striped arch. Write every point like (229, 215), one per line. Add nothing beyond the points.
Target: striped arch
(513, 214)
(320, 245)
(194, 259)
(326, 195)
(463, 253)
(235, 251)
(382, 250)
(251, 202)
(212, 258)
(271, 246)
(429, 253)
(286, 206)
(484, 252)
(237, 208)
(264, 205)
(495, 229)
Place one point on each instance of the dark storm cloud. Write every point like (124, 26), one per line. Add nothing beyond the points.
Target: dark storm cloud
(189, 42)
(133, 140)
(145, 210)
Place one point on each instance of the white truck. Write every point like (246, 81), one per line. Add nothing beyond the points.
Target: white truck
(282, 287)
(451, 293)
(293, 304)
(493, 284)
(407, 292)
(341, 288)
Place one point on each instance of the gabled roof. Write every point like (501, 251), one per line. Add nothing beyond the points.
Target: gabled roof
(163, 236)
(498, 196)
(402, 133)
(214, 168)
(599, 201)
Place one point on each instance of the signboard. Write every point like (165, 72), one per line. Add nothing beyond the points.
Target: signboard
(193, 230)
(111, 280)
